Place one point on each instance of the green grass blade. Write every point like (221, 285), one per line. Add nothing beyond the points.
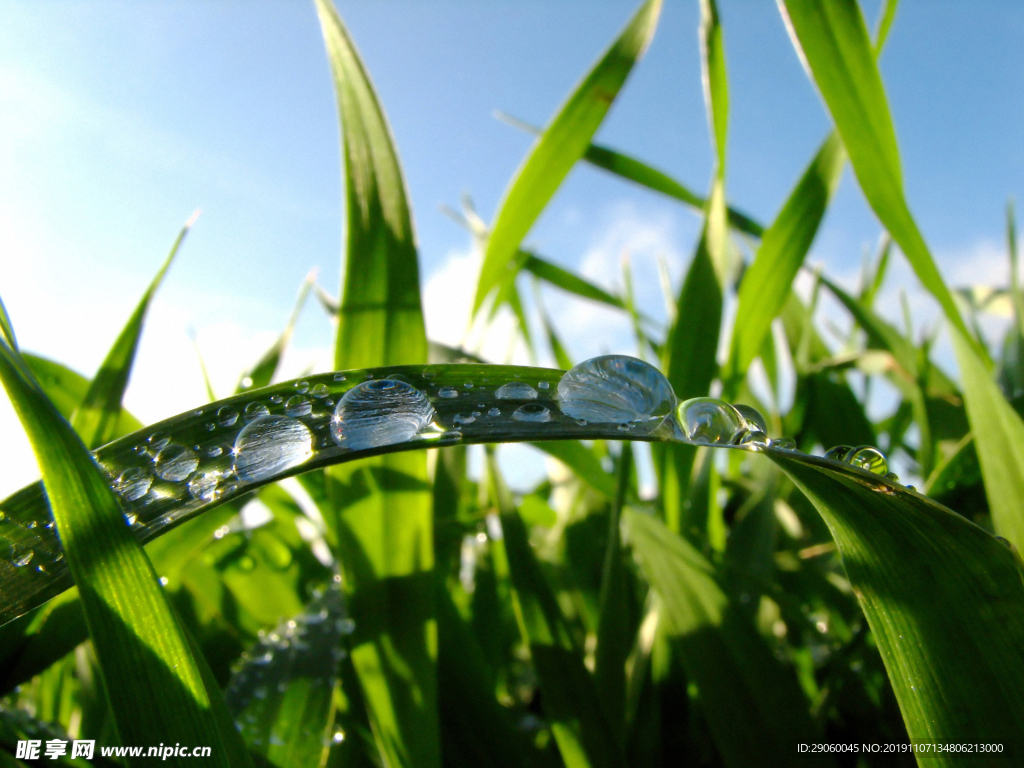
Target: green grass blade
(833, 41)
(6, 328)
(716, 86)
(569, 697)
(785, 244)
(567, 281)
(383, 506)
(66, 389)
(944, 599)
(563, 142)
(641, 173)
(999, 440)
(752, 703)
(97, 416)
(158, 687)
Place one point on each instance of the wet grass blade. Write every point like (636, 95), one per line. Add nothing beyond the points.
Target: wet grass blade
(96, 418)
(641, 173)
(563, 142)
(766, 284)
(944, 599)
(383, 510)
(752, 703)
(158, 687)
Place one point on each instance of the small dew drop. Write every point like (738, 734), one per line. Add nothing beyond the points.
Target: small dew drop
(133, 483)
(892, 477)
(494, 412)
(24, 560)
(464, 418)
(710, 422)
(752, 418)
(869, 458)
(302, 387)
(515, 390)
(175, 462)
(380, 412)
(227, 416)
(320, 390)
(838, 452)
(534, 412)
(544, 385)
(255, 410)
(270, 445)
(468, 385)
(214, 451)
(297, 405)
(753, 438)
(158, 440)
(205, 486)
(339, 377)
(210, 426)
(276, 399)
(784, 444)
(449, 393)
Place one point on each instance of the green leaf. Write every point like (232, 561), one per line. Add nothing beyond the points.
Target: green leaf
(383, 505)
(785, 244)
(833, 42)
(96, 419)
(159, 687)
(752, 703)
(66, 389)
(716, 86)
(563, 142)
(944, 599)
(641, 173)
(567, 281)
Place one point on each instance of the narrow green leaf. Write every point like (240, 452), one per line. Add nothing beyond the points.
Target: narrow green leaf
(944, 599)
(383, 505)
(66, 389)
(563, 142)
(6, 328)
(833, 41)
(159, 687)
(716, 86)
(785, 244)
(567, 281)
(752, 703)
(97, 416)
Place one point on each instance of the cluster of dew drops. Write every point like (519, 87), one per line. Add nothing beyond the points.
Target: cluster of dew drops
(266, 438)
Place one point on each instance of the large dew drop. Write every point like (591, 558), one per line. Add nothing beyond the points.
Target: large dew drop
(380, 412)
(711, 422)
(869, 458)
(269, 445)
(616, 389)
(174, 463)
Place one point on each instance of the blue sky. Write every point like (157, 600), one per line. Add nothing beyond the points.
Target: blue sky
(120, 119)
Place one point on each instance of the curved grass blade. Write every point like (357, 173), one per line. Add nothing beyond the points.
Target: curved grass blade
(563, 143)
(833, 42)
(753, 704)
(567, 281)
(641, 173)
(159, 687)
(766, 284)
(66, 390)
(382, 507)
(944, 599)
(96, 418)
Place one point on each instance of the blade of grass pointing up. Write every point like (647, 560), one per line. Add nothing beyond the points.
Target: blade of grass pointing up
(383, 504)
(154, 684)
(563, 143)
(96, 418)
(833, 40)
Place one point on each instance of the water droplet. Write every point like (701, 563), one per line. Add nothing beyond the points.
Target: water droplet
(255, 410)
(754, 420)
(753, 438)
(276, 399)
(175, 462)
(131, 518)
(270, 445)
(892, 477)
(468, 385)
(204, 486)
(320, 390)
(710, 422)
(616, 389)
(532, 412)
(380, 412)
(24, 560)
(339, 377)
(448, 392)
(158, 440)
(227, 416)
(210, 426)
(544, 385)
(869, 458)
(133, 483)
(297, 405)
(838, 452)
(428, 374)
(494, 412)
(581, 422)
(463, 418)
(302, 387)
(214, 451)
(515, 390)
